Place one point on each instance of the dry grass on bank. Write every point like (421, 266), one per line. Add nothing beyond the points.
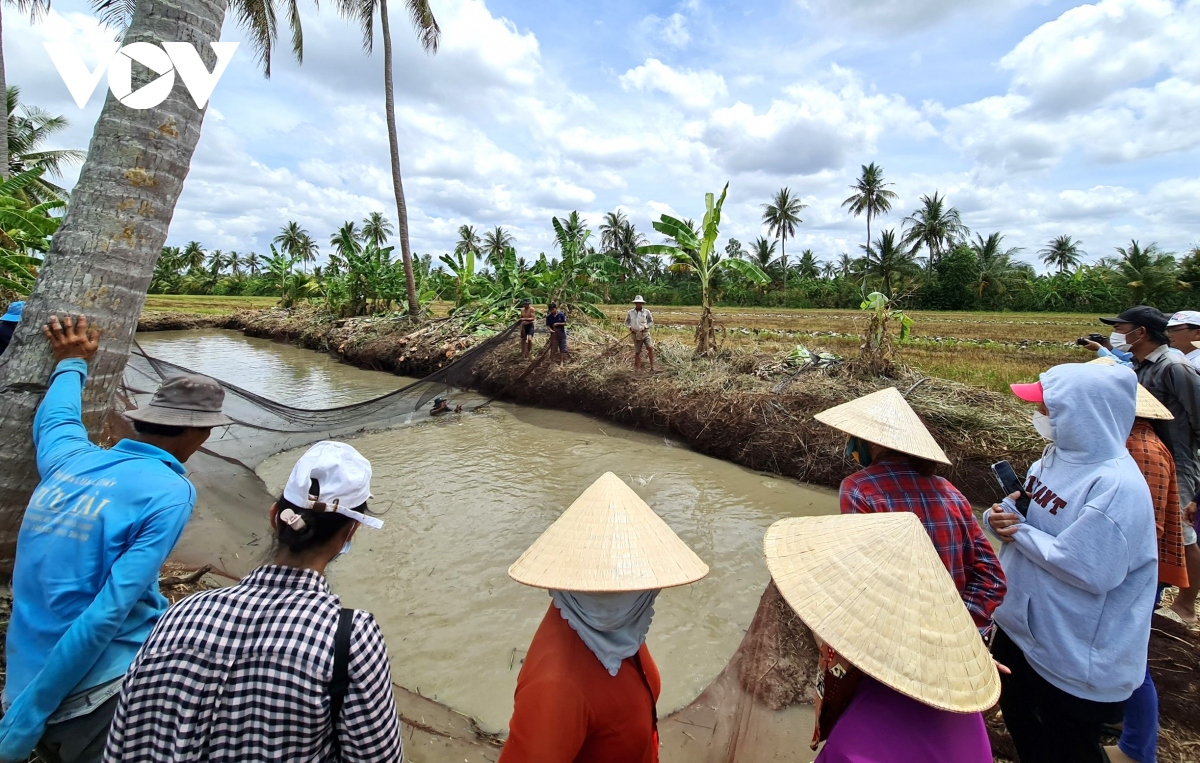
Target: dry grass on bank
(203, 304)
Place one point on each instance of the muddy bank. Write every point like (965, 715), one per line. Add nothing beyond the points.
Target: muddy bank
(747, 408)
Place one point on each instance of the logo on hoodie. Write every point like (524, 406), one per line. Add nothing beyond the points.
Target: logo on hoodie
(1043, 496)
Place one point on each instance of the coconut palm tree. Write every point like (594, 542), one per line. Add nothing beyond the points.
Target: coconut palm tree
(307, 250)
(762, 254)
(28, 128)
(995, 270)
(234, 260)
(252, 263)
(376, 230)
(781, 217)
(886, 259)
(1146, 271)
(291, 239)
(125, 201)
(620, 240)
(468, 241)
(1063, 253)
(845, 265)
(35, 8)
(495, 242)
(216, 262)
(194, 255)
(808, 266)
(871, 196)
(347, 241)
(935, 226)
(429, 34)
(829, 270)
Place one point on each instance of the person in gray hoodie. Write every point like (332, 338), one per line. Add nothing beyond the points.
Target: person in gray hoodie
(1081, 567)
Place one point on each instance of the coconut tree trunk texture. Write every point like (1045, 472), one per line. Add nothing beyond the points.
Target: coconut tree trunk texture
(3, 103)
(783, 259)
(389, 102)
(102, 257)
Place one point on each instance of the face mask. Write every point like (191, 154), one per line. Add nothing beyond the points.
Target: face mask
(1041, 422)
(1118, 341)
(859, 451)
(345, 550)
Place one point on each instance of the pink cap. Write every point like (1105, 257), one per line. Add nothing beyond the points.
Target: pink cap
(1030, 393)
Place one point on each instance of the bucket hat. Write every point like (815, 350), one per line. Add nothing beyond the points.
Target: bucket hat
(885, 418)
(13, 313)
(873, 588)
(343, 481)
(1148, 406)
(638, 299)
(608, 541)
(188, 400)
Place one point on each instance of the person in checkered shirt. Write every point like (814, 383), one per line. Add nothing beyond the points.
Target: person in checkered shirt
(247, 673)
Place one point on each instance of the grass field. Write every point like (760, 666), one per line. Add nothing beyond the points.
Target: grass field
(985, 349)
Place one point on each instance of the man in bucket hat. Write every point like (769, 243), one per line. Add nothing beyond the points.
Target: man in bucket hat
(638, 321)
(96, 531)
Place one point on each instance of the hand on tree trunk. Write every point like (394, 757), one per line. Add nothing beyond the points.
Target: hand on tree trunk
(71, 338)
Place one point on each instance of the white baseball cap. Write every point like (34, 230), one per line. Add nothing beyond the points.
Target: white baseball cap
(1184, 317)
(638, 298)
(343, 478)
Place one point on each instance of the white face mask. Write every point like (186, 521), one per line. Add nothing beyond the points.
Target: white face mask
(1041, 422)
(1118, 341)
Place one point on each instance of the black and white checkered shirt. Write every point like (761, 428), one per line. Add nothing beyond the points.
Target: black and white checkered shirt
(242, 674)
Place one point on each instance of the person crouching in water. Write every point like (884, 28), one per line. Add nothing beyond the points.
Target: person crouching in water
(898, 456)
(587, 690)
(272, 668)
(903, 675)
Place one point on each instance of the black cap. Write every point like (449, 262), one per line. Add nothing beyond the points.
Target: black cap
(525, 302)
(1142, 315)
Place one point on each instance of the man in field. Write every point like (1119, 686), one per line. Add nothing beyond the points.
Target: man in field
(638, 321)
(96, 531)
(527, 318)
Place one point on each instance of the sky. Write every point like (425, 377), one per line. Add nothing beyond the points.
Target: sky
(1034, 118)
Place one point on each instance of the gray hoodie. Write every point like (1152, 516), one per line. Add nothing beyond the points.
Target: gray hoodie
(1083, 567)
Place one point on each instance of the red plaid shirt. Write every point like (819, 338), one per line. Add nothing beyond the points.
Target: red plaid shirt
(892, 484)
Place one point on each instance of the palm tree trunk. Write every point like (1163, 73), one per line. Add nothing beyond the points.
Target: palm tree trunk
(102, 258)
(869, 236)
(783, 259)
(389, 104)
(3, 104)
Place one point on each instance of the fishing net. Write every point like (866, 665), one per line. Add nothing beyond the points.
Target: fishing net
(263, 426)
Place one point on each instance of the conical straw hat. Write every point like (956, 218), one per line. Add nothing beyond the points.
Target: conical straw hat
(885, 418)
(607, 541)
(873, 587)
(1148, 406)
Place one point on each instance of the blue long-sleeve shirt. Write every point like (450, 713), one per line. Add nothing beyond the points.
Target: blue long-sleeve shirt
(85, 584)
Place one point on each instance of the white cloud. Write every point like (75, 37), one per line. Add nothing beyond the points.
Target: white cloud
(901, 15)
(693, 89)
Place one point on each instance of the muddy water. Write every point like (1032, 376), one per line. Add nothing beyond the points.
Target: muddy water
(466, 494)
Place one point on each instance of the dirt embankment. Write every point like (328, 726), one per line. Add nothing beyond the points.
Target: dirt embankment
(748, 408)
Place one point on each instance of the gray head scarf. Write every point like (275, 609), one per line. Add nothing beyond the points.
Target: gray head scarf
(612, 625)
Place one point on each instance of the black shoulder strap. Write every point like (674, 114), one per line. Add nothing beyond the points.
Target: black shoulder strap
(341, 667)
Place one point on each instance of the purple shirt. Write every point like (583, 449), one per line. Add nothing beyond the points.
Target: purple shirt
(884, 726)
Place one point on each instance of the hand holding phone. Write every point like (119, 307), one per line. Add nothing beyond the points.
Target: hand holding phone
(1010, 483)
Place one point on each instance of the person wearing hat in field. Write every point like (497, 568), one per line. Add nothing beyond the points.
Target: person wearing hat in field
(903, 674)
(1082, 568)
(97, 529)
(1176, 383)
(8, 323)
(588, 688)
(528, 316)
(1183, 331)
(898, 456)
(638, 321)
(272, 668)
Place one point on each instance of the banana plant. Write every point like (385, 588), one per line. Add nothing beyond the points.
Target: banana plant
(25, 233)
(692, 253)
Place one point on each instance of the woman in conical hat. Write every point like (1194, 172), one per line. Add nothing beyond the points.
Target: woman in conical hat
(904, 674)
(587, 690)
(898, 456)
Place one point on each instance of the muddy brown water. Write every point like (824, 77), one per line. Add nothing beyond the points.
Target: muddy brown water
(464, 495)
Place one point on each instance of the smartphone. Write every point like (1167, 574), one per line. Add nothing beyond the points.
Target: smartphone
(1010, 483)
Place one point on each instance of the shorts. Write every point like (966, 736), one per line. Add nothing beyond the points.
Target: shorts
(526, 330)
(645, 341)
(1189, 483)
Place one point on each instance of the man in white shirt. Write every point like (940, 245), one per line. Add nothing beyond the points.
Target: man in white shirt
(638, 321)
(1183, 329)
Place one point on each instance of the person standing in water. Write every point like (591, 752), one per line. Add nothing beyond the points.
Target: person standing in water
(898, 456)
(272, 668)
(528, 316)
(904, 677)
(94, 536)
(588, 688)
(638, 321)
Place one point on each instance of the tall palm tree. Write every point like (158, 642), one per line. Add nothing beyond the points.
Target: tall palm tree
(845, 264)
(1146, 271)
(495, 242)
(252, 263)
(127, 204)
(1063, 253)
(376, 230)
(829, 270)
(610, 229)
(886, 258)
(762, 254)
(194, 255)
(781, 217)
(621, 240)
(995, 270)
(35, 8)
(429, 34)
(871, 196)
(216, 262)
(935, 226)
(468, 240)
(346, 241)
(307, 250)
(28, 128)
(234, 260)
(808, 266)
(291, 239)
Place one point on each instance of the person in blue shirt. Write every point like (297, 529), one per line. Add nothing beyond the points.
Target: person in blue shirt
(94, 535)
(8, 324)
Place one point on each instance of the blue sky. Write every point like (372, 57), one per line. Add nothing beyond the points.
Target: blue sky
(1035, 118)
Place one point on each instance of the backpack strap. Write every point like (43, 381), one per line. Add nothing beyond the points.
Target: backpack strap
(341, 669)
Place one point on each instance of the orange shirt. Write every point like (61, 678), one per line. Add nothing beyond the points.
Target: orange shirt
(568, 709)
(1158, 466)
